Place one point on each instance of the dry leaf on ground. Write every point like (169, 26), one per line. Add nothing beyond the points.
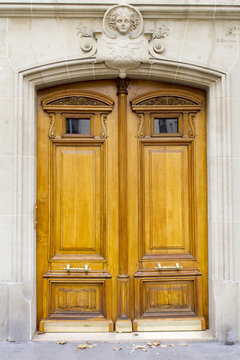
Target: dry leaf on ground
(61, 342)
(136, 334)
(163, 346)
(117, 348)
(156, 343)
(182, 344)
(144, 349)
(88, 345)
(82, 346)
(172, 345)
(139, 347)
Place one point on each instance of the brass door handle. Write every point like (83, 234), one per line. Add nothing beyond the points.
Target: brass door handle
(71, 269)
(174, 267)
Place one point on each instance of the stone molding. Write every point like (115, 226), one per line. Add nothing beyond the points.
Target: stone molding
(89, 9)
(218, 152)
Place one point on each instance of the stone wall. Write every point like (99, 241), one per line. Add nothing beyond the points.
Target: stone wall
(43, 45)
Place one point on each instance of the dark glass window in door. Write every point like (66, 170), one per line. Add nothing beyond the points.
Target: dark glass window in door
(78, 126)
(165, 125)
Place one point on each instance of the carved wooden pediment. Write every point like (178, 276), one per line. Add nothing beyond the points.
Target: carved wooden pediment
(78, 100)
(173, 99)
(167, 100)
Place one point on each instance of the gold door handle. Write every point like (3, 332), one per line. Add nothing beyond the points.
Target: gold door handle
(174, 267)
(71, 269)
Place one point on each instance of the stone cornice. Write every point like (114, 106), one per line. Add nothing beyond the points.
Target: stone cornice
(156, 10)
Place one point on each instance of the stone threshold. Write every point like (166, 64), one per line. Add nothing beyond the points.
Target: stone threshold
(127, 337)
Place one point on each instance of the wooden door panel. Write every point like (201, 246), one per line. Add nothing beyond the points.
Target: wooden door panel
(166, 199)
(77, 303)
(163, 299)
(78, 210)
(80, 299)
(168, 297)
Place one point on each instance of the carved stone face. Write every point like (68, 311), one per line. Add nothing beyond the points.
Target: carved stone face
(123, 24)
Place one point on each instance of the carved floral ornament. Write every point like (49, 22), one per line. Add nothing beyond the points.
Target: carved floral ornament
(122, 44)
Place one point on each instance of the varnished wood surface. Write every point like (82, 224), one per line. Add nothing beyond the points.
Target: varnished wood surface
(122, 201)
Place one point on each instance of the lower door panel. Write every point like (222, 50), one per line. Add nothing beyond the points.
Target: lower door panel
(77, 303)
(168, 302)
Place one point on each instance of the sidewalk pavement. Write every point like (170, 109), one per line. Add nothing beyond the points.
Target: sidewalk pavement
(63, 350)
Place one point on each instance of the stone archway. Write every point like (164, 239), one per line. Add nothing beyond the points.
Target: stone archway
(221, 284)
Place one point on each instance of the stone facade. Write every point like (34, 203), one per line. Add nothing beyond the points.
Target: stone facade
(51, 43)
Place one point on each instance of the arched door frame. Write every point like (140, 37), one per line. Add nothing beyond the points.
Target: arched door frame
(28, 81)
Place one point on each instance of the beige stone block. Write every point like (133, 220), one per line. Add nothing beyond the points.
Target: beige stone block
(4, 313)
(235, 80)
(41, 41)
(19, 313)
(223, 310)
(6, 127)
(224, 52)
(7, 78)
(236, 188)
(6, 258)
(197, 42)
(3, 37)
(6, 177)
(19, 38)
(236, 246)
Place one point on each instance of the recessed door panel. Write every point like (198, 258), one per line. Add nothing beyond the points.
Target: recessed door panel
(79, 188)
(166, 198)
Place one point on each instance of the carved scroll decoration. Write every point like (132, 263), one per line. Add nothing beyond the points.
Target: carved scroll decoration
(52, 128)
(156, 44)
(77, 100)
(103, 131)
(192, 130)
(141, 132)
(167, 100)
(88, 43)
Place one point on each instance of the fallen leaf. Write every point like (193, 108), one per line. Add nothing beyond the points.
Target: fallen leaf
(82, 346)
(172, 345)
(144, 349)
(152, 346)
(61, 342)
(182, 344)
(117, 348)
(92, 346)
(149, 343)
(163, 346)
(139, 346)
(136, 334)
(156, 343)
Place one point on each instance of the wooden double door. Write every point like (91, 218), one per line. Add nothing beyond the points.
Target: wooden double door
(121, 207)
